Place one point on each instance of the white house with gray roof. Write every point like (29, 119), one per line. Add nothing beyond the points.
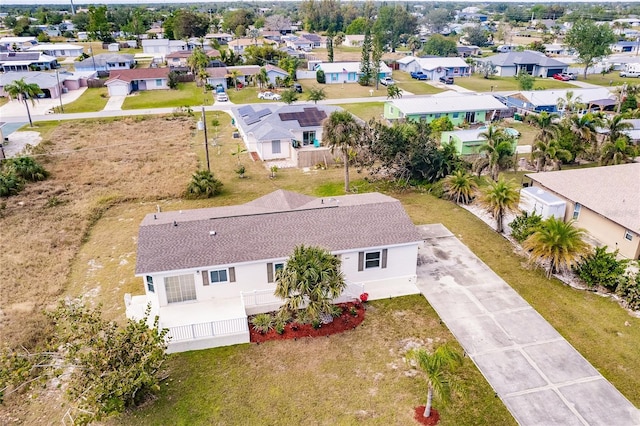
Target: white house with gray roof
(205, 270)
(533, 63)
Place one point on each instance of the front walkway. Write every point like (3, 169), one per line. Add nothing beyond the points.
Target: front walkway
(540, 377)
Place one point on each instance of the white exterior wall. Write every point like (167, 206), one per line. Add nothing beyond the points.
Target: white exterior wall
(265, 149)
(506, 71)
(272, 76)
(119, 88)
(150, 84)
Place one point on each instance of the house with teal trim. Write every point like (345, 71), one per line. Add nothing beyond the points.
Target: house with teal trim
(468, 142)
(460, 108)
(347, 72)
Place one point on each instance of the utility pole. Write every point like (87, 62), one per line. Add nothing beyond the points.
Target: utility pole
(206, 138)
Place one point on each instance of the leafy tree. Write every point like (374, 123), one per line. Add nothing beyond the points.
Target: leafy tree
(499, 198)
(289, 96)
(203, 185)
(320, 77)
(357, 26)
(24, 92)
(316, 94)
(80, 21)
(393, 91)
(98, 26)
(601, 267)
(365, 61)
(590, 40)
(237, 18)
(277, 23)
(262, 55)
(27, 168)
(524, 225)
(441, 124)
(376, 58)
(310, 276)
(173, 80)
(525, 80)
(10, 184)
(476, 36)
(437, 19)
(392, 22)
(486, 68)
(556, 243)
(413, 44)
(536, 46)
(437, 367)
(460, 187)
(290, 65)
(440, 45)
(341, 131)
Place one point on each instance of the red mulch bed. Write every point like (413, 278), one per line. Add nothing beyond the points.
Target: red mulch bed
(296, 331)
(432, 420)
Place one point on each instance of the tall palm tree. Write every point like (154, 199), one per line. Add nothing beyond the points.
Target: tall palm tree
(550, 152)
(460, 187)
(262, 77)
(617, 152)
(310, 276)
(341, 131)
(233, 75)
(548, 129)
(413, 44)
(499, 198)
(570, 103)
(23, 91)
(498, 149)
(584, 127)
(437, 366)
(556, 243)
(616, 126)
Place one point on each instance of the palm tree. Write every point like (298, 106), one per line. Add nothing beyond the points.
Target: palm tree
(253, 34)
(23, 91)
(262, 77)
(498, 150)
(616, 127)
(203, 185)
(233, 75)
(437, 366)
(584, 127)
(550, 152)
(617, 152)
(556, 243)
(548, 130)
(393, 91)
(499, 198)
(570, 104)
(341, 131)
(238, 152)
(414, 44)
(310, 276)
(460, 187)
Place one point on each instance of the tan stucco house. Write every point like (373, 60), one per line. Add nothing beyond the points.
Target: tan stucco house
(603, 200)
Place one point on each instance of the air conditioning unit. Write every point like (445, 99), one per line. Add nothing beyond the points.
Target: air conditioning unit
(236, 135)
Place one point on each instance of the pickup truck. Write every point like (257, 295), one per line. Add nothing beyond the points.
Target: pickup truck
(419, 75)
(387, 81)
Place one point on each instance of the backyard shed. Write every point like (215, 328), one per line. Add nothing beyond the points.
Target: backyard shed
(543, 203)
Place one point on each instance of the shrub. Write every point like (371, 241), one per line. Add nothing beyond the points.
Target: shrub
(316, 324)
(10, 184)
(336, 311)
(524, 225)
(262, 323)
(203, 185)
(629, 290)
(27, 168)
(353, 311)
(172, 81)
(320, 77)
(601, 268)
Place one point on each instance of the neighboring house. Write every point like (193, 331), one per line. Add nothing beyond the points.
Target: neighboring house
(317, 42)
(347, 72)
(59, 50)
(272, 35)
(534, 63)
(298, 43)
(468, 51)
(180, 59)
(123, 82)
(240, 44)
(466, 16)
(17, 43)
(246, 72)
(222, 38)
(547, 100)
(275, 73)
(625, 47)
(634, 131)
(106, 62)
(50, 84)
(603, 200)
(557, 50)
(435, 67)
(217, 76)
(205, 270)
(27, 61)
(353, 40)
(460, 108)
(468, 142)
(160, 48)
(291, 132)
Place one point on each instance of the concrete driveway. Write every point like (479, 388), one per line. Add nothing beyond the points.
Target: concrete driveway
(540, 377)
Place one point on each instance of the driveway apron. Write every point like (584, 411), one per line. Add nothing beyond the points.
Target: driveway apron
(539, 376)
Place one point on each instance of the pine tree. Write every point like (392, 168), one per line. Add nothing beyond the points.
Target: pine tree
(365, 63)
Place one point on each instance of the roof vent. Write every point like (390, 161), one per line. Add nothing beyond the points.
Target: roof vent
(175, 223)
(212, 233)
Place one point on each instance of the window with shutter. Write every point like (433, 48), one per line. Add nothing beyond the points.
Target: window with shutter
(205, 277)
(232, 274)
(384, 258)
(361, 261)
(269, 272)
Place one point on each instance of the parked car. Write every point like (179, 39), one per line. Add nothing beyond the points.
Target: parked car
(387, 81)
(219, 88)
(629, 74)
(269, 96)
(446, 79)
(222, 97)
(571, 76)
(561, 77)
(422, 77)
(417, 74)
(297, 87)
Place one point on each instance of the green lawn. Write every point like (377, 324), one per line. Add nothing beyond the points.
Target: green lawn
(610, 79)
(417, 87)
(3, 100)
(187, 94)
(479, 84)
(90, 101)
(246, 95)
(365, 110)
(352, 378)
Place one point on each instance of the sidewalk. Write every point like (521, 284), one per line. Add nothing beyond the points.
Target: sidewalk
(539, 376)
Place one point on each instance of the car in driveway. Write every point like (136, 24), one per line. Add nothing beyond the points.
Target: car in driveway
(269, 96)
(446, 79)
(222, 97)
(387, 81)
(562, 77)
(418, 75)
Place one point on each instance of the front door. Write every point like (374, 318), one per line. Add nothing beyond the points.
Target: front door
(134, 85)
(180, 288)
(470, 117)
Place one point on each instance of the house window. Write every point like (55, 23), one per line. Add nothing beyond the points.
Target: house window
(308, 137)
(438, 115)
(150, 286)
(372, 260)
(158, 82)
(628, 235)
(456, 114)
(180, 288)
(219, 276)
(576, 211)
(272, 270)
(334, 77)
(275, 147)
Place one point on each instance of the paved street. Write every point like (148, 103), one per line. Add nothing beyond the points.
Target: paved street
(540, 377)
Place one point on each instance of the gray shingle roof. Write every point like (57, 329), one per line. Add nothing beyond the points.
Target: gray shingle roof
(269, 228)
(524, 57)
(612, 191)
(103, 58)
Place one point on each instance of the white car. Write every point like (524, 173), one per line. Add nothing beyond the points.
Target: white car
(269, 96)
(387, 81)
(222, 97)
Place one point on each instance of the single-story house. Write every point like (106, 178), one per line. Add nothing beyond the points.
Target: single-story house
(272, 35)
(240, 44)
(547, 100)
(27, 61)
(123, 82)
(205, 270)
(50, 84)
(246, 72)
(291, 132)
(160, 48)
(534, 63)
(557, 49)
(217, 76)
(624, 47)
(435, 67)
(467, 16)
(468, 51)
(459, 107)
(353, 40)
(605, 201)
(17, 43)
(222, 38)
(468, 142)
(347, 72)
(59, 50)
(107, 62)
(634, 132)
(298, 43)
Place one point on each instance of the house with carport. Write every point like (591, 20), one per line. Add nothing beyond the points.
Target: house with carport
(605, 201)
(533, 63)
(460, 108)
(27, 61)
(58, 50)
(51, 86)
(548, 100)
(204, 271)
(123, 82)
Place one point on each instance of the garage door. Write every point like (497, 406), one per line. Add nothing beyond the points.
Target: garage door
(118, 89)
(552, 71)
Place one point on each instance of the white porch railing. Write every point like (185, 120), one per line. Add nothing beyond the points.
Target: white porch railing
(208, 329)
(266, 297)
